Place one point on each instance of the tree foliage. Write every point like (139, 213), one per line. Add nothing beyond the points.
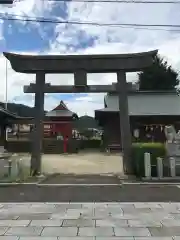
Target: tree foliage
(159, 76)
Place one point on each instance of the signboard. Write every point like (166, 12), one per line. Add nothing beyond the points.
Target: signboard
(47, 127)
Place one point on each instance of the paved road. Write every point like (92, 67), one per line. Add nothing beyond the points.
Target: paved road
(124, 193)
(90, 221)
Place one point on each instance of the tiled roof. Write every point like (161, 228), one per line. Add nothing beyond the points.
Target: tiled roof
(61, 106)
(143, 104)
(60, 111)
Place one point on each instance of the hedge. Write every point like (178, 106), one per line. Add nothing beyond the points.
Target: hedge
(138, 150)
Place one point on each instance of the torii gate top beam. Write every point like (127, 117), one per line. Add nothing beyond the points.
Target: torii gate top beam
(6, 2)
(89, 63)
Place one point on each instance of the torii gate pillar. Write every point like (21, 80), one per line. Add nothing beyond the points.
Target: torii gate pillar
(38, 130)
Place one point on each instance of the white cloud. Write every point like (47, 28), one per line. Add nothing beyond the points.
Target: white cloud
(67, 38)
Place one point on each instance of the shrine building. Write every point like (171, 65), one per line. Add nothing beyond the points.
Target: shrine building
(149, 113)
(59, 121)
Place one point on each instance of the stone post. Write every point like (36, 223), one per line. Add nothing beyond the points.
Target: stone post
(172, 164)
(147, 165)
(124, 122)
(38, 125)
(160, 167)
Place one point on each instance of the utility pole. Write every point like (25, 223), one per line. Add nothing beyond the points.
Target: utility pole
(6, 97)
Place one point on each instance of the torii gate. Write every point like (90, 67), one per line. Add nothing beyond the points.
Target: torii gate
(80, 65)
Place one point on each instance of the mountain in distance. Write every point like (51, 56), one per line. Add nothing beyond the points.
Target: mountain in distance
(19, 109)
(22, 110)
(85, 122)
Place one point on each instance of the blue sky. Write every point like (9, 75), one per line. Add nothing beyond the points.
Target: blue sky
(44, 38)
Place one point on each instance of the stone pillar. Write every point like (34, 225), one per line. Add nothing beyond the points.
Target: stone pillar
(37, 135)
(160, 167)
(172, 164)
(147, 165)
(124, 122)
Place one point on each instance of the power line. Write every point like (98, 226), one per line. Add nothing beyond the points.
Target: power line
(113, 1)
(46, 20)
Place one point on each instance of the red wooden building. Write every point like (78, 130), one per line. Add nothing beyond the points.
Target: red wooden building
(59, 121)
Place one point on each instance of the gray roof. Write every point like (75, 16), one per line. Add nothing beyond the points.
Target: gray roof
(143, 104)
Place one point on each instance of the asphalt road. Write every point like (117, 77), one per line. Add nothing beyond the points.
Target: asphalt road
(124, 193)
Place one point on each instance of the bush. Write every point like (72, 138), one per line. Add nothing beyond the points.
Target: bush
(138, 150)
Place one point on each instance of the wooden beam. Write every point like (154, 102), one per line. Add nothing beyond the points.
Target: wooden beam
(103, 63)
(7, 2)
(48, 88)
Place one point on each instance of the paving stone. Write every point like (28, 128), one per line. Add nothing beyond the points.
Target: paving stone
(14, 223)
(9, 238)
(165, 231)
(121, 205)
(59, 231)
(153, 238)
(171, 222)
(46, 223)
(144, 223)
(79, 223)
(147, 205)
(24, 231)
(114, 238)
(125, 216)
(111, 223)
(73, 206)
(88, 205)
(61, 216)
(38, 238)
(137, 211)
(102, 213)
(114, 209)
(74, 213)
(77, 238)
(40, 216)
(7, 216)
(132, 232)
(3, 230)
(175, 216)
(96, 232)
(87, 213)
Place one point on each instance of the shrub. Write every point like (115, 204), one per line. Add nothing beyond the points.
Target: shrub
(138, 150)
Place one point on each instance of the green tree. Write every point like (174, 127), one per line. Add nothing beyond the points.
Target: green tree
(160, 76)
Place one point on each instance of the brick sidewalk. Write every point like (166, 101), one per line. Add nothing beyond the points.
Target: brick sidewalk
(90, 221)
